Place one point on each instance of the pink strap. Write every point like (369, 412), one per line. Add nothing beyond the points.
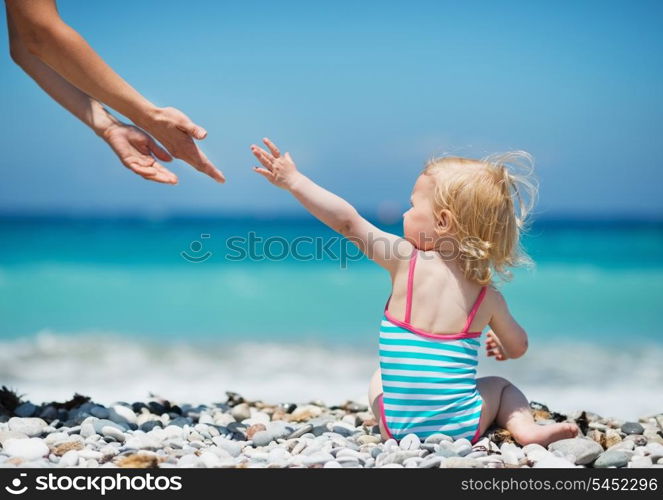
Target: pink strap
(410, 278)
(475, 308)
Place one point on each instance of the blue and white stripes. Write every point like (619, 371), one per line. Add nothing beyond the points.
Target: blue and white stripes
(429, 383)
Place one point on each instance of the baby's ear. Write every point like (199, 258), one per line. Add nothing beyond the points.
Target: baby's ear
(443, 222)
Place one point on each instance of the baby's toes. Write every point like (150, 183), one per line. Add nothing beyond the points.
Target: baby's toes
(572, 429)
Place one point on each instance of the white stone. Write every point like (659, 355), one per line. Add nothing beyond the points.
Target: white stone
(31, 427)
(87, 430)
(69, 459)
(27, 449)
(410, 442)
(125, 413)
(553, 462)
(90, 454)
(209, 459)
(640, 462)
(114, 432)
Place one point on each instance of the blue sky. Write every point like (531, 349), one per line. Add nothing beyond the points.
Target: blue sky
(361, 94)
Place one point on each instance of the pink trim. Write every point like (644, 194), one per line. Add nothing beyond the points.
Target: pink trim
(464, 333)
(441, 336)
(383, 418)
(475, 308)
(477, 435)
(410, 279)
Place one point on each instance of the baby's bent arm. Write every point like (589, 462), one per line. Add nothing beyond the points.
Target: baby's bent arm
(512, 336)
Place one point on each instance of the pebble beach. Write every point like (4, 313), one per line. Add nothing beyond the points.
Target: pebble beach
(238, 433)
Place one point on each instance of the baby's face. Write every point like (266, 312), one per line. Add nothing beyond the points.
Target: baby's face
(419, 220)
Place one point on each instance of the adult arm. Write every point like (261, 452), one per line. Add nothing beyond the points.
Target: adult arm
(133, 146)
(48, 38)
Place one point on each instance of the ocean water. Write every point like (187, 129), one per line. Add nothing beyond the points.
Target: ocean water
(188, 308)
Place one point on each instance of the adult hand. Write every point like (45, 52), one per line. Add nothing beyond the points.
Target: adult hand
(135, 149)
(176, 132)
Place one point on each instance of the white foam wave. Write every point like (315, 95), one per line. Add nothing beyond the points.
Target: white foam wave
(618, 382)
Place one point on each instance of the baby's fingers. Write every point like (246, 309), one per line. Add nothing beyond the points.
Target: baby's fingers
(262, 156)
(265, 173)
(272, 147)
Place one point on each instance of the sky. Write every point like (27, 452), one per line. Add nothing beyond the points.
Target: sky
(361, 94)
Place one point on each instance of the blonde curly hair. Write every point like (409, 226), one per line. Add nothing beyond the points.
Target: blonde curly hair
(489, 201)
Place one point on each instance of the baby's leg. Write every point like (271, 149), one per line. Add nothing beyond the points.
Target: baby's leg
(508, 406)
(375, 390)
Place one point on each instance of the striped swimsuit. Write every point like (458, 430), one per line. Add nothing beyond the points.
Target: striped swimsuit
(429, 381)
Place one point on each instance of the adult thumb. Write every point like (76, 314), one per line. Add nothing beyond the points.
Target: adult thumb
(195, 131)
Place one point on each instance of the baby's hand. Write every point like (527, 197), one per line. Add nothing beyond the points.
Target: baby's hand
(279, 170)
(494, 347)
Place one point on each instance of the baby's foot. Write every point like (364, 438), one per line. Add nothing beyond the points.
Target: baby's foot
(545, 434)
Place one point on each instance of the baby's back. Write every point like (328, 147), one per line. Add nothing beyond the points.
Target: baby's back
(441, 297)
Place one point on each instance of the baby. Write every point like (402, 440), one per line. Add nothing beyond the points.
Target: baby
(462, 230)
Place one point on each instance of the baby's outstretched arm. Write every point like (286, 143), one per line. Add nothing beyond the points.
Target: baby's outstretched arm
(386, 249)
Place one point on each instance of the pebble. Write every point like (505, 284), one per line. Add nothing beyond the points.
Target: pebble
(438, 438)
(255, 428)
(343, 429)
(553, 462)
(5, 435)
(430, 462)
(27, 449)
(25, 410)
(87, 430)
(148, 426)
(241, 412)
(31, 427)
(69, 459)
(632, 428)
(584, 450)
(612, 458)
(306, 412)
(640, 462)
(410, 442)
(317, 458)
(120, 414)
(462, 447)
(304, 429)
(100, 412)
(612, 437)
(461, 463)
(396, 457)
(246, 434)
(113, 432)
(262, 438)
(655, 450)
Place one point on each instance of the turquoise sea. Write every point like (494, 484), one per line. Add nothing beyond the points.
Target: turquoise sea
(111, 307)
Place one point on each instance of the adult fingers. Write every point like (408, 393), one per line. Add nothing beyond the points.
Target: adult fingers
(197, 159)
(154, 172)
(190, 128)
(158, 151)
